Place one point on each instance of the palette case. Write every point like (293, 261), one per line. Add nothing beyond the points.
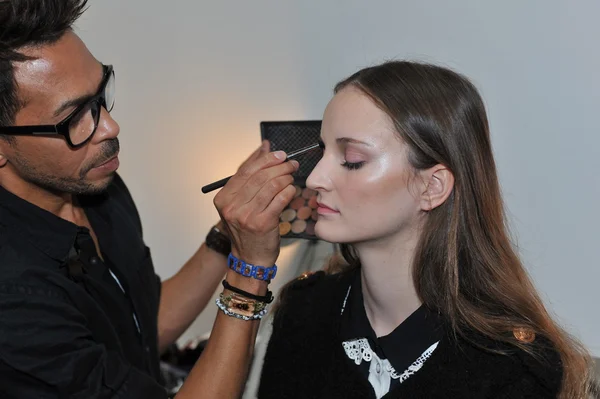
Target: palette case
(298, 219)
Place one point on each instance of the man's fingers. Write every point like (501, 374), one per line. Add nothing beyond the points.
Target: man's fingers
(279, 202)
(270, 190)
(264, 176)
(251, 216)
(266, 160)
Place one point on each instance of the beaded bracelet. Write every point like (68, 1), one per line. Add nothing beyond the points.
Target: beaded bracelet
(268, 298)
(231, 313)
(249, 270)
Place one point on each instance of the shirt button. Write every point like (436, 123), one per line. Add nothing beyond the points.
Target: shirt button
(94, 260)
(378, 368)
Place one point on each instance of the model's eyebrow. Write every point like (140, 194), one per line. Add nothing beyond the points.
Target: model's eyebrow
(347, 140)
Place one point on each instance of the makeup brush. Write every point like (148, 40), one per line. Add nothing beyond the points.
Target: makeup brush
(220, 183)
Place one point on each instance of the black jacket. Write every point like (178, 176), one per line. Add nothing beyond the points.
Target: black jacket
(305, 358)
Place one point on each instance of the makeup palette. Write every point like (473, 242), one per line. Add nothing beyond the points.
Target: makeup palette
(299, 218)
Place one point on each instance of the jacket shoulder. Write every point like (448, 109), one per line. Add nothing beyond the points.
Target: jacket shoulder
(524, 358)
(308, 295)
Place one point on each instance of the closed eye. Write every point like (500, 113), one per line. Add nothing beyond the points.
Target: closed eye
(353, 165)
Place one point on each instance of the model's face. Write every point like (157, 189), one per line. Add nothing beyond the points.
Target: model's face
(61, 76)
(363, 180)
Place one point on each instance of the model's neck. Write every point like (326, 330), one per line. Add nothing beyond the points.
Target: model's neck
(387, 283)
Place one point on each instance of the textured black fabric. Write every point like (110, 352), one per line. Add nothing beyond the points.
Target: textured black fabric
(305, 359)
(67, 330)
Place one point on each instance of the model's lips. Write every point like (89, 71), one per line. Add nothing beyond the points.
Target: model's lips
(324, 209)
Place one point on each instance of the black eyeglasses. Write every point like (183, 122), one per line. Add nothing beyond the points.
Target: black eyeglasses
(81, 124)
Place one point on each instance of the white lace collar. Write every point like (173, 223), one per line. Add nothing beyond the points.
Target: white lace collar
(381, 371)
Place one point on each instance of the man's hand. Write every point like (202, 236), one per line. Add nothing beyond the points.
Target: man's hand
(252, 201)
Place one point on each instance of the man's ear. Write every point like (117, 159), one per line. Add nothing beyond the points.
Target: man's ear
(3, 159)
(438, 184)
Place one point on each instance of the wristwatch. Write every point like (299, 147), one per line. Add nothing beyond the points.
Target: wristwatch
(217, 241)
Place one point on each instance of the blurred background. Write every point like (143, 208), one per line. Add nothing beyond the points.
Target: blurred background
(195, 78)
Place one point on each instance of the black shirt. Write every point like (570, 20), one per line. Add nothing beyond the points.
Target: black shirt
(71, 324)
(403, 348)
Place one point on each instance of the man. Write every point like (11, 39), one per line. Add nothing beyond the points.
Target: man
(82, 313)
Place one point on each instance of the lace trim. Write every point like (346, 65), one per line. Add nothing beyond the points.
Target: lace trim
(417, 364)
(359, 350)
(345, 300)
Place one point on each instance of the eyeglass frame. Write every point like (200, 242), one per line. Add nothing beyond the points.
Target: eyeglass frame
(62, 127)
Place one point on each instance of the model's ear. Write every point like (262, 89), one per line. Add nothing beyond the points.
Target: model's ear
(438, 183)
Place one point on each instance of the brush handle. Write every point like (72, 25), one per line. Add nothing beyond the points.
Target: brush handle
(216, 185)
(220, 183)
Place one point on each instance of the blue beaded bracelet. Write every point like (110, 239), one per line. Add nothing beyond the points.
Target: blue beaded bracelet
(248, 270)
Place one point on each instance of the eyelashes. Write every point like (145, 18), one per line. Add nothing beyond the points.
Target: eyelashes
(345, 164)
(353, 165)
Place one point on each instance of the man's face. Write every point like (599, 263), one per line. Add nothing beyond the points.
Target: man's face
(60, 73)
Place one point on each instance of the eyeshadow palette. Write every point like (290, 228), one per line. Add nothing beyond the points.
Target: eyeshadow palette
(299, 217)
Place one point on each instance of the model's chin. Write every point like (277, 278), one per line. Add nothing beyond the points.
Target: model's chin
(326, 232)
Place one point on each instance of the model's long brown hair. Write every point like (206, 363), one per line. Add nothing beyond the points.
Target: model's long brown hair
(465, 265)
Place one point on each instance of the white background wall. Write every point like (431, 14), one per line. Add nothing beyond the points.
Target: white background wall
(196, 77)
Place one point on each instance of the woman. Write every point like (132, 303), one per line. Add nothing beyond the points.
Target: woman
(430, 300)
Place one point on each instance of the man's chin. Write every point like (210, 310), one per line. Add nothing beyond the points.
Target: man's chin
(98, 186)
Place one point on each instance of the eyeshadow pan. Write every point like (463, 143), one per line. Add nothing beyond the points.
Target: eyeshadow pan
(298, 191)
(304, 213)
(297, 203)
(312, 202)
(284, 228)
(288, 215)
(298, 226)
(307, 193)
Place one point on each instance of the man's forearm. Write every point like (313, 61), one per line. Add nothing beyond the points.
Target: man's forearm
(223, 367)
(187, 293)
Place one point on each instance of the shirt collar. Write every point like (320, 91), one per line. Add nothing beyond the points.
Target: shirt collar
(404, 344)
(49, 233)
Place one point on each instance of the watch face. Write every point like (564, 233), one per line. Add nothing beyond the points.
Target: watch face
(298, 219)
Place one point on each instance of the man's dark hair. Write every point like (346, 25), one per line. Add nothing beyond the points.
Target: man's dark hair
(27, 23)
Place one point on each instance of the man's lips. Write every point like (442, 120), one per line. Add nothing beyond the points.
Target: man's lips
(111, 159)
(110, 165)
